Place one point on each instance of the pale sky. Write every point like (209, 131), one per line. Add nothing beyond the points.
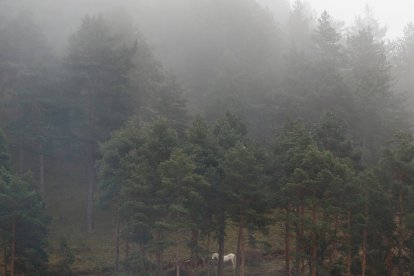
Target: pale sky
(393, 13)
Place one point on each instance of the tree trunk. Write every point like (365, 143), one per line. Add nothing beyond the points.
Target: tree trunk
(194, 241)
(5, 253)
(209, 257)
(21, 156)
(195, 253)
(364, 236)
(400, 235)
(388, 262)
(302, 234)
(177, 269)
(240, 245)
(364, 251)
(159, 255)
(220, 267)
(127, 247)
(287, 242)
(118, 222)
(41, 172)
(334, 243)
(349, 244)
(298, 252)
(314, 243)
(13, 246)
(177, 264)
(91, 194)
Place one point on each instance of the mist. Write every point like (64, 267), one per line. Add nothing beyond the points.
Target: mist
(206, 137)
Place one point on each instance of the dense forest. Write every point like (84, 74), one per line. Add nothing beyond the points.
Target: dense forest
(142, 141)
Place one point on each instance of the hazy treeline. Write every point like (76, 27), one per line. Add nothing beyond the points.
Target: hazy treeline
(189, 114)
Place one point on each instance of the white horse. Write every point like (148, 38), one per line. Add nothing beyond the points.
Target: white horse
(226, 258)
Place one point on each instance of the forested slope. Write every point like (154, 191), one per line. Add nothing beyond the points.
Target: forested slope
(151, 142)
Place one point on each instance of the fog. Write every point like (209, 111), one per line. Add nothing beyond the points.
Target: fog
(61, 18)
(140, 137)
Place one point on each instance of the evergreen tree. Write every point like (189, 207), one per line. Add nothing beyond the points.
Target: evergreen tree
(243, 185)
(403, 64)
(113, 172)
(130, 172)
(367, 21)
(332, 134)
(299, 27)
(376, 110)
(327, 41)
(228, 131)
(23, 225)
(97, 69)
(397, 169)
(310, 180)
(204, 148)
(28, 95)
(377, 224)
(289, 146)
(344, 201)
(330, 92)
(184, 193)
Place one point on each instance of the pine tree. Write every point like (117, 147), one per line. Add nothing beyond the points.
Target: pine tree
(204, 147)
(289, 146)
(344, 199)
(245, 190)
(184, 194)
(327, 41)
(112, 173)
(330, 92)
(402, 58)
(376, 110)
(28, 98)
(367, 21)
(299, 27)
(228, 131)
(397, 167)
(98, 87)
(23, 224)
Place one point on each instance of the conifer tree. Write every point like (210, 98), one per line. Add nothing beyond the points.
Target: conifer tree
(204, 148)
(375, 107)
(229, 131)
(289, 146)
(23, 224)
(398, 168)
(243, 183)
(97, 69)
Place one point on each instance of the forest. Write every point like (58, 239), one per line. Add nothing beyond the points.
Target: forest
(143, 139)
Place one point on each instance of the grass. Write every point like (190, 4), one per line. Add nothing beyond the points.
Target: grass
(66, 189)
